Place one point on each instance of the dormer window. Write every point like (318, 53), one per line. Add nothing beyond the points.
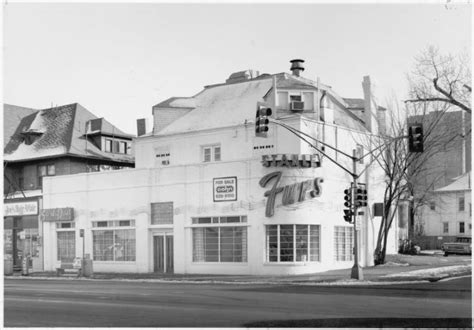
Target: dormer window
(108, 145)
(115, 146)
(30, 136)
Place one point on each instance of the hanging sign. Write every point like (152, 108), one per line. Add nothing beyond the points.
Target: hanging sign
(225, 189)
(20, 208)
(294, 160)
(293, 193)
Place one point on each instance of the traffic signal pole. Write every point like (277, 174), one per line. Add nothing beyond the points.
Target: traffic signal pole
(415, 144)
(356, 272)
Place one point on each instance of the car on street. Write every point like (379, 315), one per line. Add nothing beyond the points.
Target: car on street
(462, 245)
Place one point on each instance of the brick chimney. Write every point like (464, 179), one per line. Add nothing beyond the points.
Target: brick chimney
(370, 107)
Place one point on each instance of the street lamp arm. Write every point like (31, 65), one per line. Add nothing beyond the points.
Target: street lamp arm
(276, 121)
(295, 132)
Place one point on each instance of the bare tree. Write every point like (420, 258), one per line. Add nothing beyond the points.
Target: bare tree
(441, 78)
(408, 176)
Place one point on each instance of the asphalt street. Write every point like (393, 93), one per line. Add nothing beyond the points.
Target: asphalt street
(75, 303)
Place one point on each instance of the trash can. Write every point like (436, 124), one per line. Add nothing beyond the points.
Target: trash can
(25, 265)
(87, 267)
(7, 265)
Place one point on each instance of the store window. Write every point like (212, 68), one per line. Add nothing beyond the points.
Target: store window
(445, 227)
(162, 213)
(292, 243)
(211, 153)
(115, 243)
(343, 243)
(220, 239)
(66, 241)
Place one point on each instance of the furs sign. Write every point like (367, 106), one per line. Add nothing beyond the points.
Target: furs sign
(293, 193)
(284, 160)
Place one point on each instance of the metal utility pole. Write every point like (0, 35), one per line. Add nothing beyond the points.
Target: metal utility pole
(356, 272)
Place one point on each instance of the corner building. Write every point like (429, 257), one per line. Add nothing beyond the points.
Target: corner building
(209, 196)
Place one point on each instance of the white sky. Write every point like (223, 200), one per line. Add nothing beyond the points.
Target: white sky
(119, 59)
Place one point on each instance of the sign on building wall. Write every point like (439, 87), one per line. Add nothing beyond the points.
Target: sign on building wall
(58, 214)
(294, 160)
(225, 189)
(296, 192)
(20, 209)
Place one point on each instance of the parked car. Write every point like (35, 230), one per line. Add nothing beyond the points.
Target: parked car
(462, 245)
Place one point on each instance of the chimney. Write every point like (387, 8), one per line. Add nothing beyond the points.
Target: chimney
(143, 126)
(370, 107)
(296, 67)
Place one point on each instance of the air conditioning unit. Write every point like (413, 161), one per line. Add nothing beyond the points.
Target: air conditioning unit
(297, 106)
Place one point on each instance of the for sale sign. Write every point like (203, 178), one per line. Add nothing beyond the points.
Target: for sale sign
(225, 189)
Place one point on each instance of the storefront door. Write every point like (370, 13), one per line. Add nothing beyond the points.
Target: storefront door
(163, 253)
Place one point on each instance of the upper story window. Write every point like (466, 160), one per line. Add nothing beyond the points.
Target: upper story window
(432, 206)
(445, 227)
(115, 146)
(211, 153)
(461, 204)
(45, 170)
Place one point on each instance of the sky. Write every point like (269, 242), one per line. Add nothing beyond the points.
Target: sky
(119, 59)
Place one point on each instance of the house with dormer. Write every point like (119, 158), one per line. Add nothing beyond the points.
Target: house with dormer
(58, 141)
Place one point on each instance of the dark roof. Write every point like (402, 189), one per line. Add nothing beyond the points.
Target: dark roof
(60, 131)
(12, 115)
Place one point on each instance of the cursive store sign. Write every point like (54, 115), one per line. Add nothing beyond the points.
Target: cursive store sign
(291, 194)
(284, 160)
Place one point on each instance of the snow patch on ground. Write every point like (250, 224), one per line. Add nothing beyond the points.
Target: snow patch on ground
(392, 264)
(432, 272)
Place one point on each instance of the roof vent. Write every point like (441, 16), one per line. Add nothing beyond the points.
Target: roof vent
(242, 76)
(297, 67)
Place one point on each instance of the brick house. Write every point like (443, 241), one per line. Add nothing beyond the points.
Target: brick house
(57, 141)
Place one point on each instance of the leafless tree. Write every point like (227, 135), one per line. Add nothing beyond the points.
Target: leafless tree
(408, 176)
(441, 78)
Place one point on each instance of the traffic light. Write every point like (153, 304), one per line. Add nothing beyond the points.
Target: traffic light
(361, 197)
(348, 215)
(415, 138)
(348, 198)
(261, 119)
(348, 203)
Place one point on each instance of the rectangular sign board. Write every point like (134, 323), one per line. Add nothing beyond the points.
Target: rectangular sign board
(20, 208)
(58, 214)
(225, 189)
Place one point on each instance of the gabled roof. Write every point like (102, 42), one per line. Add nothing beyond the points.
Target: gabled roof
(59, 131)
(462, 182)
(230, 104)
(12, 115)
(221, 105)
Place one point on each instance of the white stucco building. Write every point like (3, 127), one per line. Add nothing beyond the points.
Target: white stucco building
(196, 201)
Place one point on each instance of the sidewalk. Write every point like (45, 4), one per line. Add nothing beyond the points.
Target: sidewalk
(399, 268)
